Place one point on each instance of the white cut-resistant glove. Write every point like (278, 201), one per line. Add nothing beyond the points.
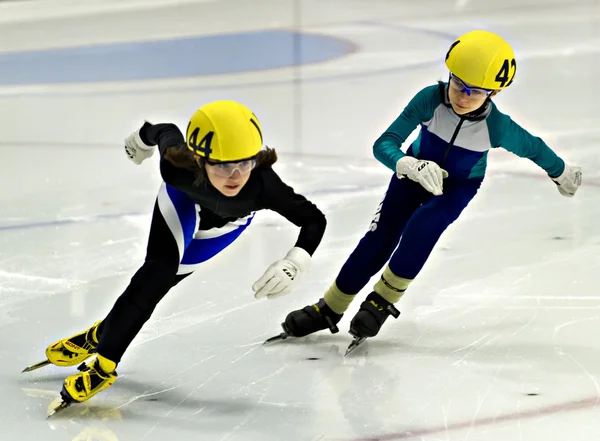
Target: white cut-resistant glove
(279, 277)
(136, 150)
(569, 181)
(427, 173)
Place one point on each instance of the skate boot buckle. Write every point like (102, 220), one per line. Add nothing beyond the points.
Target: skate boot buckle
(332, 326)
(391, 309)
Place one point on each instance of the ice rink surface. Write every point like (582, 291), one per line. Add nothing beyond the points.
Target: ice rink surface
(498, 336)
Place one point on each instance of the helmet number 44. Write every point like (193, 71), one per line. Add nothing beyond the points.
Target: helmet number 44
(201, 148)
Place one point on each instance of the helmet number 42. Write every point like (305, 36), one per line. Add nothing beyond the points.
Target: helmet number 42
(503, 77)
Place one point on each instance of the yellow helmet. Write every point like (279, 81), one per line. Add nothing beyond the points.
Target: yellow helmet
(482, 59)
(224, 131)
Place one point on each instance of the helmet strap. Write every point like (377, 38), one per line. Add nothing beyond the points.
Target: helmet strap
(478, 114)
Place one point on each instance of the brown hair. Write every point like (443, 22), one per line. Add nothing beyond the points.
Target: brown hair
(181, 157)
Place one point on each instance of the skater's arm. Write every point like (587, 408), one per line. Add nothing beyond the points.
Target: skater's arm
(280, 276)
(163, 135)
(176, 160)
(420, 109)
(282, 199)
(505, 133)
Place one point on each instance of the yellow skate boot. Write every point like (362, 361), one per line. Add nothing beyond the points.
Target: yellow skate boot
(96, 375)
(72, 350)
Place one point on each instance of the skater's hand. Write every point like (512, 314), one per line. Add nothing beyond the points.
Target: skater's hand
(136, 150)
(569, 181)
(427, 173)
(279, 277)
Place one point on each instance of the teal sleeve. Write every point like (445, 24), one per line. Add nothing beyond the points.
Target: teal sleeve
(420, 109)
(506, 133)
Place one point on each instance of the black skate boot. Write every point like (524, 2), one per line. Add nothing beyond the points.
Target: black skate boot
(310, 319)
(370, 317)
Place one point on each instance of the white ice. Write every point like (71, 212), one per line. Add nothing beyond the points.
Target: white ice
(499, 335)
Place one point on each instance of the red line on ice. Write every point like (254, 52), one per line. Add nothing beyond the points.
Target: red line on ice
(544, 411)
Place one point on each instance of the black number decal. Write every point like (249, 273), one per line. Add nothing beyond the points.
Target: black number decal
(451, 47)
(204, 146)
(255, 124)
(513, 65)
(503, 75)
(193, 139)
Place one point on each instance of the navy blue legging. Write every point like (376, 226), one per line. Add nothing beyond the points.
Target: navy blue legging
(411, 216)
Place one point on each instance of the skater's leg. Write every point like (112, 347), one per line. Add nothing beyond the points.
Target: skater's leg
(174, 251)
(165, 265)
(178, 278)
(423, 232)
(373, 251)
(401, 200)
(420, 236)
(174, 222)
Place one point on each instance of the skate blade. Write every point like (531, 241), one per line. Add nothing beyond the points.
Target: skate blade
(354, 345)
(66, 401)
(33, 367)
(285, 334)
(276, 338)
(62, 406)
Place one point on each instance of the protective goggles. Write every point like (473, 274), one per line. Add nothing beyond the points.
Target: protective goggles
(475, 92)
(227, 169)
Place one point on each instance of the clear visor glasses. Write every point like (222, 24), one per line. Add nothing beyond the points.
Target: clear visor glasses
(474, 92)
(227, 169)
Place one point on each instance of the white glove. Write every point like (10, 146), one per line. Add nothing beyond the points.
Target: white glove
(136, 150)
(278, 278)
(426, 173)
(569, 181)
